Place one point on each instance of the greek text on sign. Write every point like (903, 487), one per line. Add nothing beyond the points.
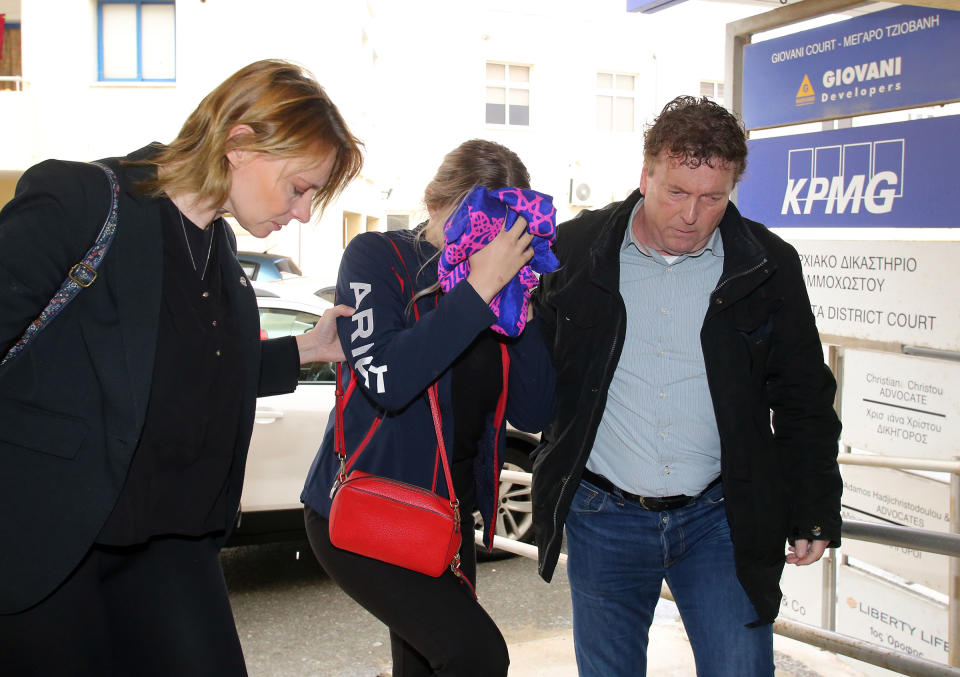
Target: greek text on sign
(901, 405)
(896, 58)
(893, 291)
(881, 176)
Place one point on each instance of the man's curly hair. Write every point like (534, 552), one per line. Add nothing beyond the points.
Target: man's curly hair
(697, 131)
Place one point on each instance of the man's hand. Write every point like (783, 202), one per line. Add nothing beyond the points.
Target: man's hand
(321, 344)
(804, 552)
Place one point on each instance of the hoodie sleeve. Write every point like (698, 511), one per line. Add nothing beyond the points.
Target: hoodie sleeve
(395, 358)
(530, 397)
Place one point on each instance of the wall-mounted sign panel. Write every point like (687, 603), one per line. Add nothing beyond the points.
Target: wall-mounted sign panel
(897, 497)
(650, 6)
(901, 405)
(802, 589)
(902, 57)
(894, 291)
(926, 568)
(891, 616)
(893, 176)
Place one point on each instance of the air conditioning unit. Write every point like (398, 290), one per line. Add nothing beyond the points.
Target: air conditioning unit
(582, 192)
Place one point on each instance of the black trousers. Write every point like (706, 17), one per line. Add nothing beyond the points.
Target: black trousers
(436, 625)
(157, 609)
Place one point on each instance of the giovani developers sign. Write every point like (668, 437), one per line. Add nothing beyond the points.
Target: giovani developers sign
(896, 58)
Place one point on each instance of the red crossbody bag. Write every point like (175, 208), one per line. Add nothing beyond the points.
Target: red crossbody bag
(390, 520)
(393, 521)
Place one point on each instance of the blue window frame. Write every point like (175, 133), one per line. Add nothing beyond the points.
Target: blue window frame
(136, 41)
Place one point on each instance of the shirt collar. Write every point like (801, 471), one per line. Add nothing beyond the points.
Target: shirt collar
(714, 244)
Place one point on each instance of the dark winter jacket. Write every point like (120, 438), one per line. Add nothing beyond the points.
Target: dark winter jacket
(762, 355)
(396, 357)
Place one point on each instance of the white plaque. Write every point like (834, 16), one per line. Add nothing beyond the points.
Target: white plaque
(901, 405)
(916, 566)
(802, 589)
(890, 616)
(892, 291)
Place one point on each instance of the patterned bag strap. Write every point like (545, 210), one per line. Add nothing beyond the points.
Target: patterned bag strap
(81, 275)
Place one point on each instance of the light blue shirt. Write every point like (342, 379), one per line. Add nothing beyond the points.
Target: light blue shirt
(658, 435)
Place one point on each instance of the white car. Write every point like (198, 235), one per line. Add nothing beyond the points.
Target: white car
(287, 432)
(306, 288)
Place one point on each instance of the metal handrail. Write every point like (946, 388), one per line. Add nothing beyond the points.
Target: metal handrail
(887, 534)
(862, 650)
(907, 537)
(900, 462)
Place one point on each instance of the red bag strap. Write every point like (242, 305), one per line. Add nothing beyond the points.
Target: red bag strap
(339, 441)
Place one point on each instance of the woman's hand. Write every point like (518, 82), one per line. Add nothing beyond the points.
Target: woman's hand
(496, 264)
(321, 344)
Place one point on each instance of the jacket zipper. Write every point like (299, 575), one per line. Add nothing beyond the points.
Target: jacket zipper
(734, 277)
(581, 460)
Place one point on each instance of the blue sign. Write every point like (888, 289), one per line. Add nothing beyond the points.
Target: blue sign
(901, 57)
(650, 6)
(899, 175)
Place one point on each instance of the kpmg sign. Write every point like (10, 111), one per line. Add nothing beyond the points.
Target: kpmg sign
(895, 175)
(901, 57)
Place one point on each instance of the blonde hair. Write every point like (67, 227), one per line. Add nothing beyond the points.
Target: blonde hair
(289, 115)
(476, 162)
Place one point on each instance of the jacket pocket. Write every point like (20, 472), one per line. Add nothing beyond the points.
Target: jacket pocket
(587, 500)
(578, 320)
(753, 318)
(40, 430)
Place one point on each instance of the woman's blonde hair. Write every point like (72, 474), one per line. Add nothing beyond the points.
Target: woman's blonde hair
(476, 162)
(289, 115)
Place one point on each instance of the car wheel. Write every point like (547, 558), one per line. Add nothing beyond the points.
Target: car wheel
(514, 513)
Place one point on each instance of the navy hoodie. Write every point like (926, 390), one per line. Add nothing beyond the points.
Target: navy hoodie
(394, 358)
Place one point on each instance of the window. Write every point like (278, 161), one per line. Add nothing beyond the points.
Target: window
(137, 40)
(398, 221)
(712, 89)
(615, 102)
(277, 322)
(10, 68)
(508, 95)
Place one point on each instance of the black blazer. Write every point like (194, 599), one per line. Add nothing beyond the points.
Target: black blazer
(72, 404)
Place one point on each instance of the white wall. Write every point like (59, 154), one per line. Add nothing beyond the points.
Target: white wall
(408, 76)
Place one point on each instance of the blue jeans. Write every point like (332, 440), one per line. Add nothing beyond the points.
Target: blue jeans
(618, 555)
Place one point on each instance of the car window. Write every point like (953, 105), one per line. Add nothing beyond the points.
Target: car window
(277, 322)
(249, 269)
(288, 266)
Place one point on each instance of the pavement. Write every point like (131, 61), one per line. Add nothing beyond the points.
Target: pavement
(670, 654)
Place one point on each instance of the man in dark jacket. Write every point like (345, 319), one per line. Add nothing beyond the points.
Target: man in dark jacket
(694, 432)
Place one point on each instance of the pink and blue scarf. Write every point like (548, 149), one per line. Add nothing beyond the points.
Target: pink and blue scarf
(474, 224)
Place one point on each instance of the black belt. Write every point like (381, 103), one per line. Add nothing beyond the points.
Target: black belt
(653, 503)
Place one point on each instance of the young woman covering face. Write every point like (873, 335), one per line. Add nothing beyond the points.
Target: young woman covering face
(483, 380)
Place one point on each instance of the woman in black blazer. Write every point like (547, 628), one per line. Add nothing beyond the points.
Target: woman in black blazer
(124, 424)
